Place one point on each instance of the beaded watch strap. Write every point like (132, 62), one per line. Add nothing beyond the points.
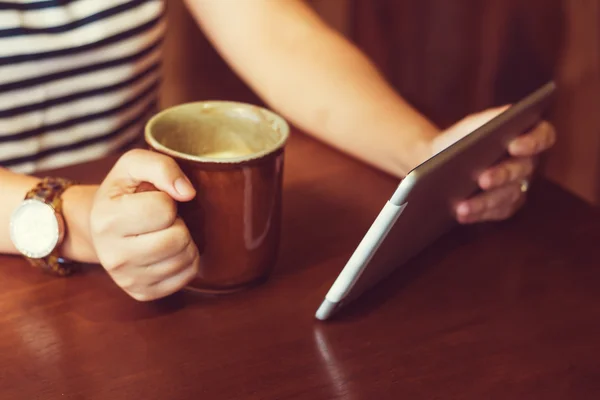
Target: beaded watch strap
(49, 190)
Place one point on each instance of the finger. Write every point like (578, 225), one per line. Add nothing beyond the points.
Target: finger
(502, 213)
(510, 171)
(177, 282)
(155, 273)
(138, 166)
(151, 248)
(141, 279)
(486, 205)
(538, 140)
(137, 214)
(167, 286)
(147, 249)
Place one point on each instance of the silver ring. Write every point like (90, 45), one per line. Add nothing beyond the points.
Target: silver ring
(524, 186)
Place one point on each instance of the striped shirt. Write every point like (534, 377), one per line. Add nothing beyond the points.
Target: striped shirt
(78, 78)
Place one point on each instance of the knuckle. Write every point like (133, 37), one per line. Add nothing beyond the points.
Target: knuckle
(132, 155)
(190, 274)
(161, 206)
(546, 126)
(167, 207)
(141, 296)
(102, 223)
(167, 162)
(162, 161)
(168, 168)
(196, 265)
(127, 283)
(195, 260)
(180, 237)
(111, 261)
(546, 134)
(176, 240)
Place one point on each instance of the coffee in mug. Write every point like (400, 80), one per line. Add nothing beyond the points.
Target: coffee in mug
(233, 153)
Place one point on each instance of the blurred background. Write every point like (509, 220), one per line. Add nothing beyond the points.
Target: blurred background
(449, 59)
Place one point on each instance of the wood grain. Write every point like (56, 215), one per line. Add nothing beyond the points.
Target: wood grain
(502, 311)
(449, 59)
(455, 58)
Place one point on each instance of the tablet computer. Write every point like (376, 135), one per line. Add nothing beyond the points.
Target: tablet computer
(422, 207)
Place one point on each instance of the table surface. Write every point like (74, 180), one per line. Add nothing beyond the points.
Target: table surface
(497, 311)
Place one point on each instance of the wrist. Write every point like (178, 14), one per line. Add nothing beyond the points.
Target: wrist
(421, 152)
(77, 203)
(404, 136)
(414, 151)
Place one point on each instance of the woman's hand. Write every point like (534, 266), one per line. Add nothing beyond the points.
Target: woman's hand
(138, 237)
(504, 184)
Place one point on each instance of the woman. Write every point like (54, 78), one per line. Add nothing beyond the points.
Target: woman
(79, 78)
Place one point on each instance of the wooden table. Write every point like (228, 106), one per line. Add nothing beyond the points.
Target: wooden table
(501, 311)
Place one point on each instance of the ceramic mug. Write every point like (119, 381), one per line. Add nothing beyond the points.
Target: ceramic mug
(233, 153)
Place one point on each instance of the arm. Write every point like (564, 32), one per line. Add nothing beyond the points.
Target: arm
(148, 257)
(317, 79)
(77, 203)
(324, 85)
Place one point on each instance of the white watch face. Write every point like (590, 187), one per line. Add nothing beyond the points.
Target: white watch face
(35, 229)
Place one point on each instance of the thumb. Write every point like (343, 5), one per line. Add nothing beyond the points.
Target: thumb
(477, 120)
(138, 170)
(466, 126)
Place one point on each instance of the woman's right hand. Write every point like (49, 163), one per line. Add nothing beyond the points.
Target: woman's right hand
(138, 237)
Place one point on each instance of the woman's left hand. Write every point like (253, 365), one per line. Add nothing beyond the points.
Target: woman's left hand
(505, 184)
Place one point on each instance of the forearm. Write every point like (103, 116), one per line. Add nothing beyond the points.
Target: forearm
(77, 203)
(318, 80)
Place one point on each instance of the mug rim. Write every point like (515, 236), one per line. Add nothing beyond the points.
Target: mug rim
(284, 130)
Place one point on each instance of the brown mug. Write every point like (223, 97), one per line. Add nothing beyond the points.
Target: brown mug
(233, 154)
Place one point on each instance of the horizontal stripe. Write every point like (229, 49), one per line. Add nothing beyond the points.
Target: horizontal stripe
(90, 33)
(124, 48)
(7, 87)
(137, 120)
(67, 86)
(78, 79)
(99, 16)
(116, 145)
(129, 33)
(74, 121)
(55, 16)
(64, 137)
(30, 5)
(87, 106)
(80, 95)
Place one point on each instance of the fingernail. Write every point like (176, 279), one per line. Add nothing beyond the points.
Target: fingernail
(486, 181)
(515, 147)
(463, 209)
(184, 187)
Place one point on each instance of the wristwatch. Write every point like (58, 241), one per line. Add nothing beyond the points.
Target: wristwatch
(37, 226)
